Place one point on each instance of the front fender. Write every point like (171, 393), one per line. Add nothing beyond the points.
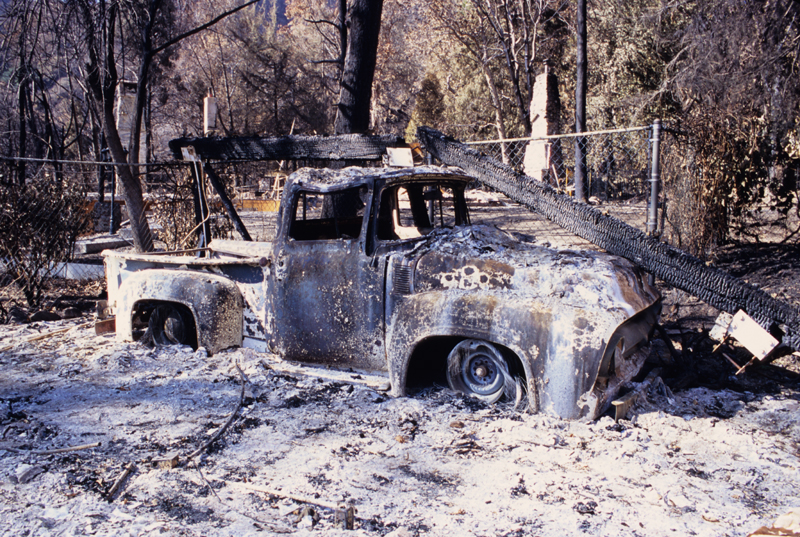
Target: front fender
(472, 315)
(215, 303)
(560, 347)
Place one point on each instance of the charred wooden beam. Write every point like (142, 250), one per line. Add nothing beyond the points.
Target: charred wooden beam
(343, 147)
(219, 187)
(675, 267)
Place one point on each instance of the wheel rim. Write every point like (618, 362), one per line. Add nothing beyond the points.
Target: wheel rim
(482, 374)
(477, 368)
(168, 326)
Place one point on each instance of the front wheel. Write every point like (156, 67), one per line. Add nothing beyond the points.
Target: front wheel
(477, 368)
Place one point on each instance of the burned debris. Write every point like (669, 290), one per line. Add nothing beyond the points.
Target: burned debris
(343, 147)
(399, 463)
(383, 271)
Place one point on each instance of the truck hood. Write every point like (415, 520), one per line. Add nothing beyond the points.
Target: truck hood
(482, 257)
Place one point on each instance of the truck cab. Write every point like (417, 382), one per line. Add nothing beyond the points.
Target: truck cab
(333, 243)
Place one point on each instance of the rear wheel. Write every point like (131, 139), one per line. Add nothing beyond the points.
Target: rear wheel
(171, 325)
(477, 368)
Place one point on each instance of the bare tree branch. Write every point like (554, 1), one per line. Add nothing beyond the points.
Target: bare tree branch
(202, 27)
(322, 21)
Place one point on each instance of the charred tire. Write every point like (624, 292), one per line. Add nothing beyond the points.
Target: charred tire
(172, 325)
(477, 368)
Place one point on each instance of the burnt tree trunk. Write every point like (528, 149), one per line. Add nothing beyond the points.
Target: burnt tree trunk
(131, 186)
(102, 80)
(141, 85)
(355, 94)
(23, 133)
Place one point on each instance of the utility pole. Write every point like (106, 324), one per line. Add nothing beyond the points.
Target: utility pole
(580, 105)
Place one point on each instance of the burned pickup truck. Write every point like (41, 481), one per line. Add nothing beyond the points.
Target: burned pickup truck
(381, 270)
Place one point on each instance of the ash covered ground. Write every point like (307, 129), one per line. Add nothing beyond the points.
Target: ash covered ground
(717, 454)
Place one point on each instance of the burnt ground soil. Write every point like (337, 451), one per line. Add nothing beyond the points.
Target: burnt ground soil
(712, 453)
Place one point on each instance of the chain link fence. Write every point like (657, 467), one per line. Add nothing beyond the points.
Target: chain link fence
(617, 161)
(618, 173)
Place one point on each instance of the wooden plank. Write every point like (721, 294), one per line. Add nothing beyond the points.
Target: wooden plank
(105, 327)
(343, 147)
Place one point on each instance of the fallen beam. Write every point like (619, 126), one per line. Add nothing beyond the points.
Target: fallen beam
(219, 187)
(675, 267)
(343, 147)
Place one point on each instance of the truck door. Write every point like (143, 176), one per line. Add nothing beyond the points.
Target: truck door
(328, 296)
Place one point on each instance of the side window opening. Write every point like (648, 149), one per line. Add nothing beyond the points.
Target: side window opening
(324, 216)
(411, 211)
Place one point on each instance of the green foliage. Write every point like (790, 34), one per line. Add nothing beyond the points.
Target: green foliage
(468, 112)
(499, 46)
(725, 74)
(262, 75)
(429, 108)
(737, 99)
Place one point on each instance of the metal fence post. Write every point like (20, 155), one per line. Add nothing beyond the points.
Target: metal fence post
(655, 178)
(580, 169)
(581, 81)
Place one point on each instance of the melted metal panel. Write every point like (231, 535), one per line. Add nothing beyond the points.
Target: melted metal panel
(214, 301)
(250, 282)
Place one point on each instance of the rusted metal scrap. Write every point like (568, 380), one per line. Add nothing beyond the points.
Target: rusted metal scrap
(675, 267)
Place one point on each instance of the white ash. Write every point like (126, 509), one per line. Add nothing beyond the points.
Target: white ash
(697, 462)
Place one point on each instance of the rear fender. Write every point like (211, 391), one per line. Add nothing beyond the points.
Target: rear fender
(215, 303)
